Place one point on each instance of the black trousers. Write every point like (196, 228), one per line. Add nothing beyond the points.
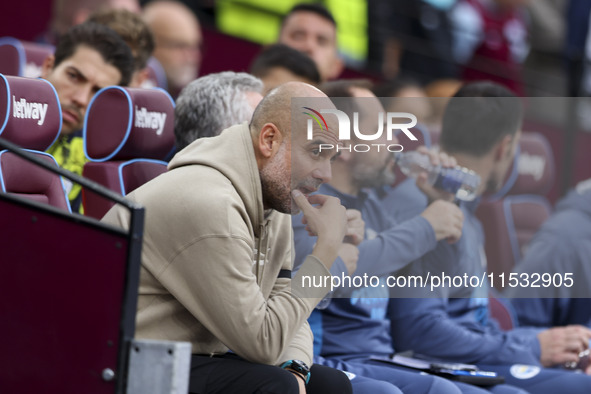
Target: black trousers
(229, 374)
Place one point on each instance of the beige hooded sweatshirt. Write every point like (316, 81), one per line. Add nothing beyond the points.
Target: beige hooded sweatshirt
(214, 263)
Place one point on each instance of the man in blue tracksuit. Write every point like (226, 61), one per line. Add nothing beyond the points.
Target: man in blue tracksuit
(481, 133)
(353, 326)
(563, 244)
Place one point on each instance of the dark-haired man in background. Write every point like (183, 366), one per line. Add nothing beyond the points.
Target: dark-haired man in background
(135, 32)
(87, 58)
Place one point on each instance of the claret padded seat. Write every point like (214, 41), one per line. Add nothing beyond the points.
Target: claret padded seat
(30, 116)
(512, 216)
(22, 58)
(127, 135)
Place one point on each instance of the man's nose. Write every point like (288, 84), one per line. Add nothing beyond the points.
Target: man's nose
(323, 172)
(82, 96)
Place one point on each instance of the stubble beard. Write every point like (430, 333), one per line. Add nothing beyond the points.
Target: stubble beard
(276, 185)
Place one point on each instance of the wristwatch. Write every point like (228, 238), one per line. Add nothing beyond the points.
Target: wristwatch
(298, 366)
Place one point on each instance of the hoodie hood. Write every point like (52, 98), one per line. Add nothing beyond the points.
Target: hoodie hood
(233, 145)
(578, 199)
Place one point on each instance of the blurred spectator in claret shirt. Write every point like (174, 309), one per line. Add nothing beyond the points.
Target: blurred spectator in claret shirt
(491, 40)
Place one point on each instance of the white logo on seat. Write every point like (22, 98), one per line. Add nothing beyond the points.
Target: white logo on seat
(531, 165)
(32, 70)
(22, 109)
(149, 119)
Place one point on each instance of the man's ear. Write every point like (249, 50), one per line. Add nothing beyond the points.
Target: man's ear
(47, 66)
(269, 140)
(139, 77)
(504, 147)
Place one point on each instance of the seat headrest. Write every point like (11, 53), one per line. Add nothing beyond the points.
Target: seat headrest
(533, 169)
(128, 123)
(30, 112)
(535, 165)
(22, 58)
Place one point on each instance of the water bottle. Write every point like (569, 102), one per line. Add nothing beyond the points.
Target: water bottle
(459, 181)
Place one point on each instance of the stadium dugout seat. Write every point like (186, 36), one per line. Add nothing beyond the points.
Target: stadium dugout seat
(69, 322)
(502, 311)
(30, 116)
(127, 134)
(22, 58)
(512, 216)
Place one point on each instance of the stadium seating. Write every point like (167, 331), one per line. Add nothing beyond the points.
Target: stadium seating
(512, 216)
(22, 58)
(127, 135)
(72, 281)
(30, 116)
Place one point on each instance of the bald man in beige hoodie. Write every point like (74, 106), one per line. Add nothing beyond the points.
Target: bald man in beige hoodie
(217, 257)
